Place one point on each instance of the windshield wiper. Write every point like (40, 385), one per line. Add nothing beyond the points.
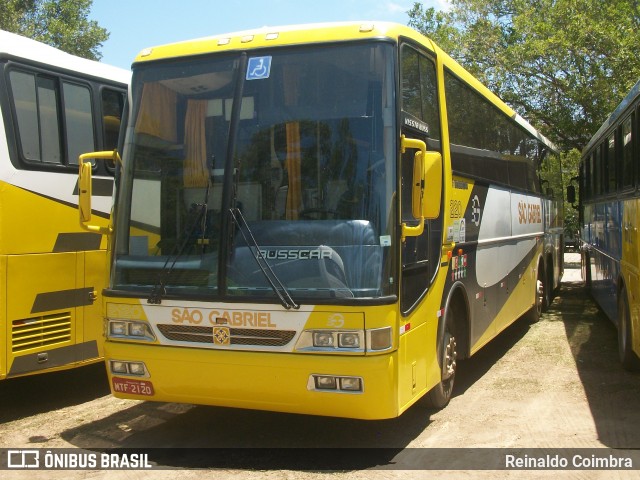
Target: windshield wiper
(158, 291)
(278, 287)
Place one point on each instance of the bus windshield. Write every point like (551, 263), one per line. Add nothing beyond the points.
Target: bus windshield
(248, 174)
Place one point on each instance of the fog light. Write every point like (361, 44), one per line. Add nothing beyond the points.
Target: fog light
(380, 339)
(323, 339)
(351, 384)
(348, 340)
(119, 367)
(136, 368)
(326, 383)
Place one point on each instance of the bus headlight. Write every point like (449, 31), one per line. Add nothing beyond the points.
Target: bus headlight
(331, 341)
(349, 340)
(117, 328)
(137, 329)
(375, 340)
(129, 330)
(323, 339)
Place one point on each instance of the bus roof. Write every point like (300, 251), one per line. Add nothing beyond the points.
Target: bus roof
(17, 46)
(321, 33)
(633, 94)
(277, 35)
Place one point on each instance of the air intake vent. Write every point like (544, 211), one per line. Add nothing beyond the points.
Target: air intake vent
(42, 331)
(238, 336)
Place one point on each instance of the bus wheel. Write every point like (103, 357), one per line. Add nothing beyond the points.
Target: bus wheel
(533, 316)
(551, 291)
(542, 291)
(439, 396)
(627, 356)
(586, 268)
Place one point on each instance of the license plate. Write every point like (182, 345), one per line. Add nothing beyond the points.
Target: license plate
(132, 387)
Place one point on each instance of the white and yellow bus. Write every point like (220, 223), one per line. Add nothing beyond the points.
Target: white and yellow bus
(53, 106)
(318, 219)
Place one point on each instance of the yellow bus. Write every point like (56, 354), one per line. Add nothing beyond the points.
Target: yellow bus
(318, 219)
(53, 106)
(608, 213)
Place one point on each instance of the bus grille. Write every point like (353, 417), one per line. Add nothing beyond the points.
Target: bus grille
(239, 336)
(41, 331)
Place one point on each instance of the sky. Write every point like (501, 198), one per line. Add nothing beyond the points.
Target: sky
(137, 24)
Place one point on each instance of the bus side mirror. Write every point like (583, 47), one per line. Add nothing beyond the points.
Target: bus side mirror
(571, 194)
(84, 192)
(426, 185)
(85, 179)
(431, 199)
(417, 185)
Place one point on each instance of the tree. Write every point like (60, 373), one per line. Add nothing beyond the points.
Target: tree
(569, 161)
(563, 64)
(61, 23)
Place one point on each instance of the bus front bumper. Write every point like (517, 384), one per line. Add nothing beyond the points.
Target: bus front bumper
(282, 382)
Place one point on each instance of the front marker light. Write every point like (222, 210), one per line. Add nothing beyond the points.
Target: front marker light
(380, 338)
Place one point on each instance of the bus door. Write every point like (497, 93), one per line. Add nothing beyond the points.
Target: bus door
(420, 255)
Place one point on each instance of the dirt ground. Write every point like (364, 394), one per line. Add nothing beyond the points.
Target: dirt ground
(553, 384)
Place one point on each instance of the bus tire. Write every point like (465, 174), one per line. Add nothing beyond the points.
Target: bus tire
(534, 314)
(542, 288)
(628, 357)
(552, 290)
(440, 395)
(586, 268)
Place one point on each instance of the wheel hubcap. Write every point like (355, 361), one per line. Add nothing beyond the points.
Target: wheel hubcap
(450, 356)
(540, 294)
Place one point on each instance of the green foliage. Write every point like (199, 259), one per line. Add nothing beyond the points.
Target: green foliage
(569, 161)
(61, 23)
(563, 64)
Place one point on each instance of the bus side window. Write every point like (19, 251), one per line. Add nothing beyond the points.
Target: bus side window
(627, 152)
(112, 107)
(598, 176)
(612, 164)
(78, 114)
(35, 100)
(112, 103)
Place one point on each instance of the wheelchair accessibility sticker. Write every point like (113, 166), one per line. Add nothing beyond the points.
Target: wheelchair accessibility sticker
(258, 68)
